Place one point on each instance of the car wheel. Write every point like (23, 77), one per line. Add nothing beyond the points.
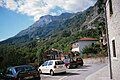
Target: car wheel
(81, 64)
(40, 71)
(78, 66)
(65, 72)
(51, 72)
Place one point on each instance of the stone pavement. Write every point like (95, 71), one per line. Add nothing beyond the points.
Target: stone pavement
(102, 74)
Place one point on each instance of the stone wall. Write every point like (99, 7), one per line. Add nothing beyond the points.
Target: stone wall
(114, 34)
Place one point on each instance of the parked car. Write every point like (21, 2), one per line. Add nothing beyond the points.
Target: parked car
(79, 61)
(72, 63)
(52, 66)
(22, 72)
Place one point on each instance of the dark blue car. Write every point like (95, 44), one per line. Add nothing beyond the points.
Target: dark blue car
(23, 72)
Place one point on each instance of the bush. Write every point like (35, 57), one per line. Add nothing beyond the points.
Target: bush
(91, 50)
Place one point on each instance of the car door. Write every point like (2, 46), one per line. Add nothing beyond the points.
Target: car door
(49, 66)
(44, 67)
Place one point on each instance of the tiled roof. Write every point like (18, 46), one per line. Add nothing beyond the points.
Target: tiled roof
(88, 39)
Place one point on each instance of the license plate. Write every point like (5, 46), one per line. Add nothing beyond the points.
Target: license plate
(30, 77)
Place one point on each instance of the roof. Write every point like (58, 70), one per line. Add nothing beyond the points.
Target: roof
(19, 66)
(85, 39)
(88, 39)
(53, 60)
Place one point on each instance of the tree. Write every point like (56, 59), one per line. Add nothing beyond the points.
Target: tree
(1, 59)
(91, 49)
(39, 55)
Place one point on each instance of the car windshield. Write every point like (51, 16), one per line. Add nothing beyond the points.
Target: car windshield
(59, 62)
(78, 59)
(24, 68)
(66, 60)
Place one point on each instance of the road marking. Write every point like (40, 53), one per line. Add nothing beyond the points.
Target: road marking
(62, 78)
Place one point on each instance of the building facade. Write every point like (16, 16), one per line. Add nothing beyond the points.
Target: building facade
(82, 43)
(113, 24)
(52, 54)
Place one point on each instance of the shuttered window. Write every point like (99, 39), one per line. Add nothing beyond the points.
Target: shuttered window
(110, 6)
(113, 46)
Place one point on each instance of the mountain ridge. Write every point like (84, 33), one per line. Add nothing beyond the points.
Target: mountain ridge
(43, 22)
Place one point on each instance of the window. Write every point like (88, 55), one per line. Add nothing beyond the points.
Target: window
(93, 44)
(19, 69)
(75, 45)
(101, 40)
(59, 62)
(66, 60)
(50, 63)
(113, 46)
(9, 71)
(45, 63)
(24, 68)
(110, 6)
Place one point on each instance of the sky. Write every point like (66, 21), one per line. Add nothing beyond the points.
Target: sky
(17, 15)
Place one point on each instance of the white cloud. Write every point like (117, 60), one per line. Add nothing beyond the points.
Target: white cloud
(1, 3)
(38, 8)
(11, 4)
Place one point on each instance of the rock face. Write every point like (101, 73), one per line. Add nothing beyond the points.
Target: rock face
(44, 23)
(66, 24)
(96, 16)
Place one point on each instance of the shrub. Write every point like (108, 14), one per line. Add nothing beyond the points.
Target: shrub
(91, 50)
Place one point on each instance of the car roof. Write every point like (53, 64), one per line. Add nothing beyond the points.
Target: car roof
(54, 60)
(19, 66)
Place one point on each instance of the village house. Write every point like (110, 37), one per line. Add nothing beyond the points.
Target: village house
(82, 43)
(113, 27)
(52, 54)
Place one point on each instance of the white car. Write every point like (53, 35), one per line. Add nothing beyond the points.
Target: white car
(52, 66)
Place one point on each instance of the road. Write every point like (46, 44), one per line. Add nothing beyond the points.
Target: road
(75, 74)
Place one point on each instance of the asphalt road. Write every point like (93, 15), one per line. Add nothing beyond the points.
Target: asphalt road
(75, 74)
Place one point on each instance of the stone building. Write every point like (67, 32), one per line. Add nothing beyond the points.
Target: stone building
(113, 24)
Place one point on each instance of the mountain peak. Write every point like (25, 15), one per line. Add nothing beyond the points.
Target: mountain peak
(66, 13)
(44, 21)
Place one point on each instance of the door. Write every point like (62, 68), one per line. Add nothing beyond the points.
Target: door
(50, 66)
(44, 67)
